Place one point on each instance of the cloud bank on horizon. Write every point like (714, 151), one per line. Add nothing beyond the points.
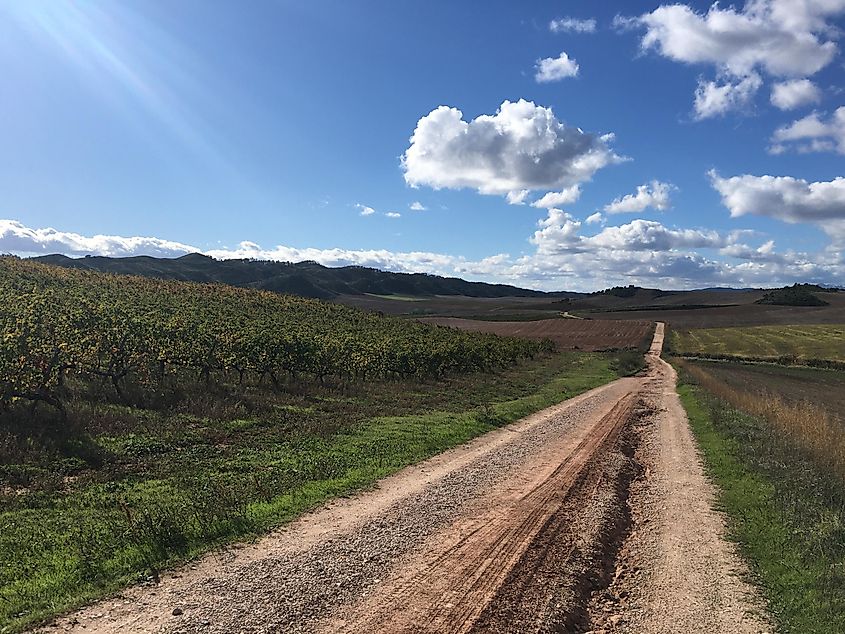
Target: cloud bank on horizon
(642, 251)
(527, 156)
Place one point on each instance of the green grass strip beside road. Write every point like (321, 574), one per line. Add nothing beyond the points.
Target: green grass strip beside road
(779, 512)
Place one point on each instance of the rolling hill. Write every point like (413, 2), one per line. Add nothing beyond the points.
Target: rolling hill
(307, 279)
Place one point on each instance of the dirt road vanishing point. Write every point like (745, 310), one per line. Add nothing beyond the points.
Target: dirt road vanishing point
(590, 516)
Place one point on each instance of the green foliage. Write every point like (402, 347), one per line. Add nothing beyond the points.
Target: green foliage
(624, 292)
(795, 295)
(628, 362)
(139, 334)
(787, 516)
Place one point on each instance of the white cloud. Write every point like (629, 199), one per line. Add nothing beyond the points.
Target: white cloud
(649, 253)
(517, 197)
(594, 218)
(566, 196)
(17, 238)
(365, 210)
(522, 146)
(788, 95)
(572, 25)
(812, 134)
(649, 235)
(558, 231)
(555, 68)
(393, 214)
(417, 206)
(783, 37)
(654, 195)
(765, 252)
(714, 100)
(786, 198)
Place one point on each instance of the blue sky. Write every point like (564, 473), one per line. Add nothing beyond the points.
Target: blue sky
(271, 129)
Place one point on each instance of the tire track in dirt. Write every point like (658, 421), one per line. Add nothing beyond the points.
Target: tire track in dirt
(446, 590)
(676, 571)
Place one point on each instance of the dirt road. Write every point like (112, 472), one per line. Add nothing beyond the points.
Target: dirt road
(590, 515)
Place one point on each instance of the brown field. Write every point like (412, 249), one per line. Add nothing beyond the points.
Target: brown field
(740, 315)
(822, 388)
(497, 308)
(568, 334)
(679, 309)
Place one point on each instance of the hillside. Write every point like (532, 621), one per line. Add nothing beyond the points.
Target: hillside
(141, 334)
(307, 279)
(796, 295)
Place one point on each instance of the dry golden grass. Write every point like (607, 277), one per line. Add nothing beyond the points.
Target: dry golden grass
(805, 424)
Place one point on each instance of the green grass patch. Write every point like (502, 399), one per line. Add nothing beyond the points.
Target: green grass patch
(819, 341)
(143, 491)
(787, 516)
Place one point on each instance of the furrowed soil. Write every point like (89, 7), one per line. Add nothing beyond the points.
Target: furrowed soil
(591, 515)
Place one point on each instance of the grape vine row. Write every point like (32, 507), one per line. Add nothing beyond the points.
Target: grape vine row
(59, 323)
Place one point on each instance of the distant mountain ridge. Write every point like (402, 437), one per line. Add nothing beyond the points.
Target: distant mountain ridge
(307, 279)
(311, 279)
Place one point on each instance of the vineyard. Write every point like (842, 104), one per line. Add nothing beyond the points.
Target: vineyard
(143, 422)
(143, 337)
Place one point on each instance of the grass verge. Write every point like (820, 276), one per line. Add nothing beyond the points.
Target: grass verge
(147, 491)
(786, 514)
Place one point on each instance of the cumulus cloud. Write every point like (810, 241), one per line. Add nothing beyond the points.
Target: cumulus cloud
(573, 25)
(786, 38)
(517, 197)
(812, 134)
(393, 214)
(594, 218)
(788, 95)
(566, 196)
(555, 68)
(780, 38)
(714, 99)
(653, 195)
(417, 206)
(521, 147)
(365, 210)
(559, 231)
(649, 235)
(647, 252)
(17, 238)
(786, 198)
(764, 253)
